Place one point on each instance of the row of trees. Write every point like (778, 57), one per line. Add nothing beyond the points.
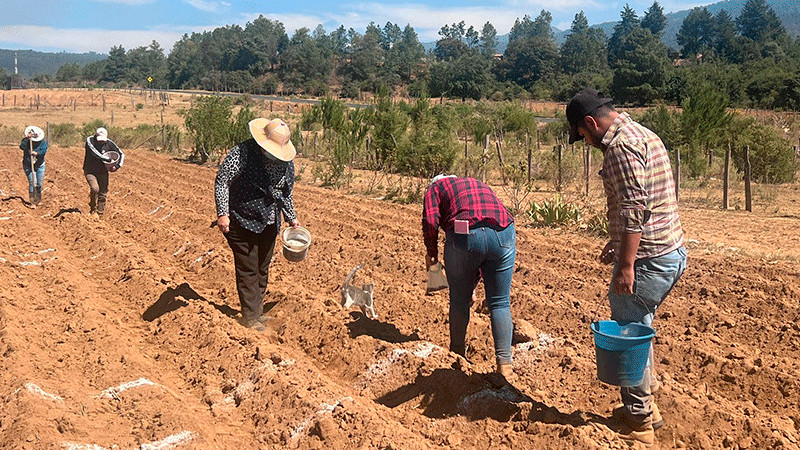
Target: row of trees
(751, 57)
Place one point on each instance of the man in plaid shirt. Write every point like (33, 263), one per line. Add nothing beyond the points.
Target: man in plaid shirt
(646, 242)
(480, 238)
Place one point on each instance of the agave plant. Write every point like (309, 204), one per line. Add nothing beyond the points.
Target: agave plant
(554, 213)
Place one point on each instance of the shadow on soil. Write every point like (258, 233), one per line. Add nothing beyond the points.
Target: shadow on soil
(63, 211)
(362, 325)
(175, 298)
(16, 197)
(450, 392)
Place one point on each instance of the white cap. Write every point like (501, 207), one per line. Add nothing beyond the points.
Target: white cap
(102, 134)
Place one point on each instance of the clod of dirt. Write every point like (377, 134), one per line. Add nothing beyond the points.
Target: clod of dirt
(524, 332)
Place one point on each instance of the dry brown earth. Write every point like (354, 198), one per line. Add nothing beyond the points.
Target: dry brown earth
(120, 331)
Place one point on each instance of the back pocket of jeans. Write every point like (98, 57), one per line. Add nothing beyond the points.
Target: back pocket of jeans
(652, 286)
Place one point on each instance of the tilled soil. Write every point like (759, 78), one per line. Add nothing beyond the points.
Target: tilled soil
(121, 332)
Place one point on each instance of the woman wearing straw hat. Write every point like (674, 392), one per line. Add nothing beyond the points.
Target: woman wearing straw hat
(252, 190)
(102, 156)
(34, 148)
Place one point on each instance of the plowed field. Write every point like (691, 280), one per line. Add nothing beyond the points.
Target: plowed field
(121, 332)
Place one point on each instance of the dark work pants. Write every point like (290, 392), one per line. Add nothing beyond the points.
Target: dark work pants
(252, 253)
(98, 189)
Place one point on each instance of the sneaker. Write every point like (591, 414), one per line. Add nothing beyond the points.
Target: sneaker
(621, 413)
(645, 435)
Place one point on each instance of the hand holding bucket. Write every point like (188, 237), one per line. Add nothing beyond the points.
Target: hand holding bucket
(113, 160)
(296, 241)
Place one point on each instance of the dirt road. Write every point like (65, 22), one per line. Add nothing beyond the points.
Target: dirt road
(120, 331)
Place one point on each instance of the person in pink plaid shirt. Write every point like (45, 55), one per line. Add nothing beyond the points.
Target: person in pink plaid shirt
(646, 238)
(480, 238)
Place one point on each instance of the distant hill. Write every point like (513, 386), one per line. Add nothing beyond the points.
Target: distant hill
(787, 11)
(31, 63)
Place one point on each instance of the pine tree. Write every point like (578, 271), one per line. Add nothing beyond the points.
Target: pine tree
(654, 20)
(696, 32)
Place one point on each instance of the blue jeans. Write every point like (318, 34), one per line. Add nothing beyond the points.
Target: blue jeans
(29, 174)
(654, 278)
(494, 253)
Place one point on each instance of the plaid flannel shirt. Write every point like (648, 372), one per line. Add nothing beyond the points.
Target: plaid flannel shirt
(639, 187)
(457, 198)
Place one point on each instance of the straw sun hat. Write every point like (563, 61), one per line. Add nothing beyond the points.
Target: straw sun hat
(273, 136)
(37, 132)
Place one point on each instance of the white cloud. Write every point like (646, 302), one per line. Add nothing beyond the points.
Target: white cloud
(206, 5)
(127, 2)
(291, 22)
(539, 5)
(85, 40)
(428, 20)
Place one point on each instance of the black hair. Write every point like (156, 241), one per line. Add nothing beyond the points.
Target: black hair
(602, 110)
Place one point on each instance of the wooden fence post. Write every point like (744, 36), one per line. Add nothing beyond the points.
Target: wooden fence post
(500, 157)
(466, 154)
(163, 129)
(748, 199)
(726, 177)
(677, 173)
(558, 182)
(587, 159)
(484, 158)
(530, 156)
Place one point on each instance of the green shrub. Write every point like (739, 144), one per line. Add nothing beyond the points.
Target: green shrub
(89, 128)
(517, 187)
(240, 130)
(208, 122)
(598, 224)
(66, 134)
(554, 213)
(11, 134)
(771, 157)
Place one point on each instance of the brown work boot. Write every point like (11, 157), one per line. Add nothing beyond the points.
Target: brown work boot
(253, 324)
(644, 435)
(621, 413)
(506, 370)
(658, 421)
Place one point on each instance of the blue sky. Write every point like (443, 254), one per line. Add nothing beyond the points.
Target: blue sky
(97, 25)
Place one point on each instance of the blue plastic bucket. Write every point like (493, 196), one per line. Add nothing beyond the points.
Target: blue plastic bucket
(622, 351)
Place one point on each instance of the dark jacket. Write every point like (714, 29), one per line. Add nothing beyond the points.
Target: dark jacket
(253, 189)
(94, 158)
(39, 147)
